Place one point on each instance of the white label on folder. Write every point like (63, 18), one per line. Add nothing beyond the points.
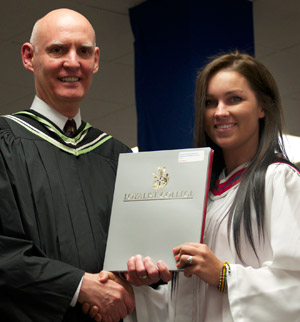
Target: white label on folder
(190, 156)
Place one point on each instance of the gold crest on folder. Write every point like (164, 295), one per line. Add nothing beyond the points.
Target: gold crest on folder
(161, 179)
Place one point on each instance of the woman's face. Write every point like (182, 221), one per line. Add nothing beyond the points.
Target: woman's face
(232, 114)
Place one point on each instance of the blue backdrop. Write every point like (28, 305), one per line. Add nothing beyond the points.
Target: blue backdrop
(173, 39)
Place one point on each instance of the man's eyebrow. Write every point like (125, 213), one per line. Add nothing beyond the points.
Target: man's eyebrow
(59, 43)
(87, 45)
(56, 43)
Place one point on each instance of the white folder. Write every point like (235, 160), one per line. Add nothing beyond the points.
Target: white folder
(159, 203)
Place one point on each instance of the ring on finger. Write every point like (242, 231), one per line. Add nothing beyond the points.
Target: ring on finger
(142, 277)
(190, 260)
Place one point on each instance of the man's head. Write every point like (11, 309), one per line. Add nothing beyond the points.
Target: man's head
(63, 57)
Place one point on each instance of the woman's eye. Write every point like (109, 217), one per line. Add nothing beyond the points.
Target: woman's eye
(235, 99)
(209, 103)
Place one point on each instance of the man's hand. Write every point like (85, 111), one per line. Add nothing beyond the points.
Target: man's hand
(92, 311)
(104, 276)
(109, 301)
(142, 271)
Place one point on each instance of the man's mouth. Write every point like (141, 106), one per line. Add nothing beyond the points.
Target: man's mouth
(70, 79)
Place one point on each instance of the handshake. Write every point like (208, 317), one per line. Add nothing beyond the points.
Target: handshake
(107, 297)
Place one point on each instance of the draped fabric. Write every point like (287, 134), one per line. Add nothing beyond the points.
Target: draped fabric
(265, 287)
(173, 39)
(56, 195)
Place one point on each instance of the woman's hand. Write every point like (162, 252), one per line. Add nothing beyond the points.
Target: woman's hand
(144, 272)
(198, 259)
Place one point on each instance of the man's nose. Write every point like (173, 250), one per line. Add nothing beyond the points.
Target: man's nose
(72, 59)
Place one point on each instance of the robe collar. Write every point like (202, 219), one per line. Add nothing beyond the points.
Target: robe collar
(225, 183)
(51, 114)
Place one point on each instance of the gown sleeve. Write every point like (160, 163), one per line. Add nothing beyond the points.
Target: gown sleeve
(272, 291)
(33, 287)
(167, 303)
(151, 304)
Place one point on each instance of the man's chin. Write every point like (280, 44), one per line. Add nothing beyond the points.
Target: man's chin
(71, 97)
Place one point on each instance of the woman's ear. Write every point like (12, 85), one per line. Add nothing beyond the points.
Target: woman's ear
(27, 51)
(261, 112)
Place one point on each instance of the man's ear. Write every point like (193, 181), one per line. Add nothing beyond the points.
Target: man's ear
(97, 58)
(27, 51)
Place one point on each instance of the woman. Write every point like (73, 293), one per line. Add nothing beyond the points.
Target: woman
(248, 268)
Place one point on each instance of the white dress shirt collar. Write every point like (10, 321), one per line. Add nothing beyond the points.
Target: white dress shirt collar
(58, 119)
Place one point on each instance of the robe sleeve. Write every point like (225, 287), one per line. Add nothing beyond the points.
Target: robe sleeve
(151, 304)
(33, 287)
(166, 303)
(272, 291)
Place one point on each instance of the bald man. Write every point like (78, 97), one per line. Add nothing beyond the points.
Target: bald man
(57, 176)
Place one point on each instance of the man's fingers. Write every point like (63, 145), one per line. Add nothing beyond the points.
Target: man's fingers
(144, 272)
(124, 283)
(151, 270)
(98, 317)
(140, 267)
(85, 308)
(93, 311)
(132, 275)
(130, 304)
(164, 272)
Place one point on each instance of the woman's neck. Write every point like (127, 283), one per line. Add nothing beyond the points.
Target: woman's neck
(232, 160)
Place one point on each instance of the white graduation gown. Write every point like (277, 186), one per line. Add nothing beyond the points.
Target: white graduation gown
(259, 290)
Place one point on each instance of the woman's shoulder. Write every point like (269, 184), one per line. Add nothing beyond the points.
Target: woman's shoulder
(284, 172)
(281, 164)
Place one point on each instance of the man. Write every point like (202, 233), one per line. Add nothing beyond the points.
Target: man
(56, 191)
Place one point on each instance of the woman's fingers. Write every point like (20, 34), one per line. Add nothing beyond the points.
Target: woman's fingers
(185, 261)
(103, 276)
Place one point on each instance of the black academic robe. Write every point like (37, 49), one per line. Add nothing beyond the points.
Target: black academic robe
(55, 204)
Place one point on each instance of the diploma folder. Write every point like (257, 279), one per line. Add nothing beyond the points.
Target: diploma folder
(159, 203)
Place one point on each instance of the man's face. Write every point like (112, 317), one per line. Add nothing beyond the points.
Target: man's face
(64, 61)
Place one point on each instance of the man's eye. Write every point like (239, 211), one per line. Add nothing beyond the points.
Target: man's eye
(55, 50)
(86, 51)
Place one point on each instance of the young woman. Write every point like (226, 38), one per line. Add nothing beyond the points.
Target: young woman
(248, 268)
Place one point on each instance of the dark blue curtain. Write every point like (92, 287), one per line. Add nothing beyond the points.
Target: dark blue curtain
(173, 39)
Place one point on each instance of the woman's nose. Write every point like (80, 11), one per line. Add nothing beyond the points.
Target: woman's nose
(221, 109)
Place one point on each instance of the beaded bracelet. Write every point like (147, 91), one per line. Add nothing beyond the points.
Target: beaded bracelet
(222, 287)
